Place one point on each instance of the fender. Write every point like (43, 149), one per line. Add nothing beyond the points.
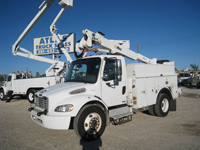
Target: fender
(4, 89)
(172, 101)
(164, 90)
(78, 101)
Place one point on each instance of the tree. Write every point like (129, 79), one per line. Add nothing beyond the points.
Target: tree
(1, 78)
(194, 66)
(38, 74)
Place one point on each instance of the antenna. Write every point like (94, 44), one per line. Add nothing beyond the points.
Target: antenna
(138, 50)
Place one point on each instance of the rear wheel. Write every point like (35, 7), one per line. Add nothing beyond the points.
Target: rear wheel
(162, 106)
(31, 94)
(90, 122)
(2, 95)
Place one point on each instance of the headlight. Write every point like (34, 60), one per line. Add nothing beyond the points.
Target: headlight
(64, 108)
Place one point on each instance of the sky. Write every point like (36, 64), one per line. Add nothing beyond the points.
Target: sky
(163, 29)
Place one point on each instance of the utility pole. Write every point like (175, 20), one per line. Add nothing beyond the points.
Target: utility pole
(138, 51)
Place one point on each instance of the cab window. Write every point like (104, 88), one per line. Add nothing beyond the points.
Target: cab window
(9, 78)
(109, 70)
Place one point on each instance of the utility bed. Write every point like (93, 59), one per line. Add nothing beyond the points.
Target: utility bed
(148, 79)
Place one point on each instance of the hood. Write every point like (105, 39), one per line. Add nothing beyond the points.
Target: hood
(62, 88)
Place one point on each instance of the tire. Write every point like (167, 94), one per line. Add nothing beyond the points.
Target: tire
(30, 96)
(90, 122)
(152, 110)
(198, 85)
(163, 105)
(3, 97)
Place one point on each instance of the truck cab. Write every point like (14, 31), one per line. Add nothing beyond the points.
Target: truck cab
(7, 87)
(95, 83)
(105, 74)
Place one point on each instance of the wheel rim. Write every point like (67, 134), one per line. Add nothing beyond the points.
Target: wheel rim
(30, 96)
(165, 105)
(92, 123)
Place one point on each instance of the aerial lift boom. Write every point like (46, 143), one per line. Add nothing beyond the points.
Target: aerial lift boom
(17, 50)
(108, 46)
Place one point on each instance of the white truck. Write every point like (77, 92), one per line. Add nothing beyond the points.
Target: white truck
(17, 84)
(103, 89)
(23, 86)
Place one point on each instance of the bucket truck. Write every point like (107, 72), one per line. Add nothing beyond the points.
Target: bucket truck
(103, 89)
(25, 86)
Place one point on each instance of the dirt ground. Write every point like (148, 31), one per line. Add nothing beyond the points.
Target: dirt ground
(180, 130)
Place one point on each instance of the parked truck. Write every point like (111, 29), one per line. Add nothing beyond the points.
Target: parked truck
(196, 81)
(185, 78)
(103, 89)
(25, 87)
(16, 84)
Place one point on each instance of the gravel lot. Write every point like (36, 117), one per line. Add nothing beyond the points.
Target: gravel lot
(180, 130)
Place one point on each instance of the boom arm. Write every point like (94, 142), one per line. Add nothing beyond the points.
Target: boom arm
(109, 46)
(56, 35)
(17, 50)
(45, 5)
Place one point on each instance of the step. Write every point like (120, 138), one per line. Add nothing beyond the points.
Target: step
(118, 113)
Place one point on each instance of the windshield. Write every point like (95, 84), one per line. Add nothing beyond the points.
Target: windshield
(84, 70)
(184, 75)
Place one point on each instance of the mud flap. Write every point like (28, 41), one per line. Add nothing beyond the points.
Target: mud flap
(172, 105)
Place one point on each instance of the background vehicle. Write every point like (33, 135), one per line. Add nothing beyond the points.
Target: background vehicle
(24, 85)
(196, 81)
(185, 78)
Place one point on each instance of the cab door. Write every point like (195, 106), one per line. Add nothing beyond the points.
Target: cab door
(9, 83)
(113, 91)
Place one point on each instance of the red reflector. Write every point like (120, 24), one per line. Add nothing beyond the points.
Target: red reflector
(84, 50)
(133, 86)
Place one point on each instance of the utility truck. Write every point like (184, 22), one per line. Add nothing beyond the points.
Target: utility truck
(18, 84)
(103, 89)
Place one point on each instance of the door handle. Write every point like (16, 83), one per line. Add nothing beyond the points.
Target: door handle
(108, 84)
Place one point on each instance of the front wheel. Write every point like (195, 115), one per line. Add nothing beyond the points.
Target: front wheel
(31, 94)
(2, 95)
(90, 122)
(162, 106)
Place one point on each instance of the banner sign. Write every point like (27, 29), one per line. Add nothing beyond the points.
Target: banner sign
(48, 45)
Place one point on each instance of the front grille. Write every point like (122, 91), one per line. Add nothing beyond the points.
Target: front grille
(42, 103)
